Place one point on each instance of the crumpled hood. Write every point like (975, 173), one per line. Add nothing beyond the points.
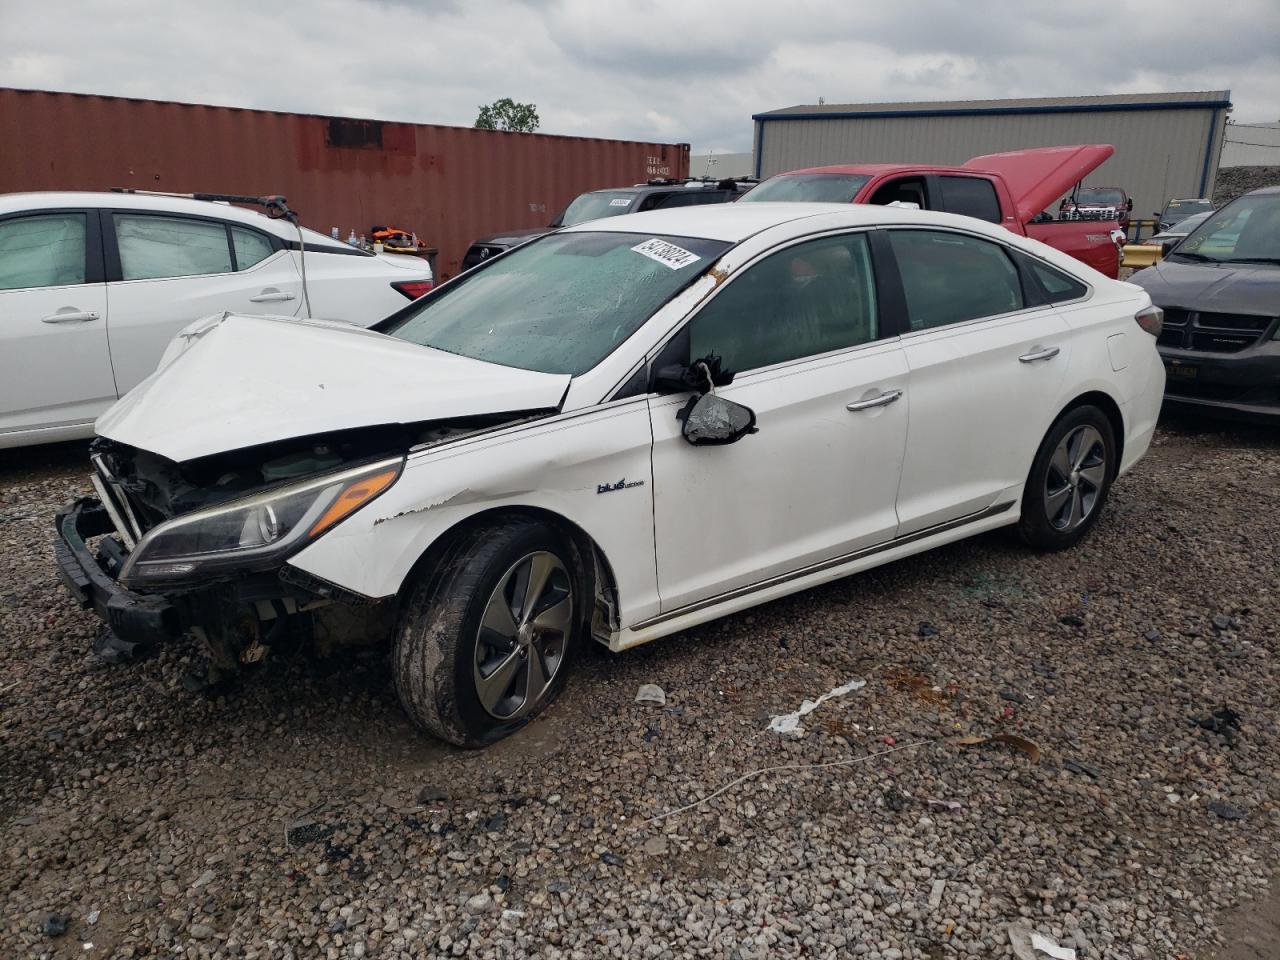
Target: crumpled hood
(1235, 288)
(233, 381)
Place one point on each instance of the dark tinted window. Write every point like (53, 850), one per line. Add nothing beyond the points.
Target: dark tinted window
(1058, 286)
(808, 299)
(971, 197)
(952, 277)
(687, 198)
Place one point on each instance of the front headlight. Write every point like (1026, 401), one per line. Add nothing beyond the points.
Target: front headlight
(258, 531)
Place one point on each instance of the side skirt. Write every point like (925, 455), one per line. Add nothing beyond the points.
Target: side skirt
(824, 571)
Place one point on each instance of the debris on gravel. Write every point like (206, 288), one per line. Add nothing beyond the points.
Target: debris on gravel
(300, 815)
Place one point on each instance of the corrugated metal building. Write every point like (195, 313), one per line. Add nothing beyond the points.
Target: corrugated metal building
(448, 184)
(1167, 144)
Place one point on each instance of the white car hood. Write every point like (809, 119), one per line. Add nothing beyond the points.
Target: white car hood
(236, 381)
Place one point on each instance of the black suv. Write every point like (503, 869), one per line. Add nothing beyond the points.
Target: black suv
(1220, 290)
(654, 195)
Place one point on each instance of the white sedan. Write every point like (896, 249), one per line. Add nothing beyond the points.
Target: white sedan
(611, 434)
(93, 286)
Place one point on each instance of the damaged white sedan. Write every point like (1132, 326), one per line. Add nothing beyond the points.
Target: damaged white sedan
(611, 434)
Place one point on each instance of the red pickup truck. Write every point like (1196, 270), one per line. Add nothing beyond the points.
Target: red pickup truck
(1012, 189)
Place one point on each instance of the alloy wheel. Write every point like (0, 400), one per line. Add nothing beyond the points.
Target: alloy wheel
(1074, 480)
(523, 635)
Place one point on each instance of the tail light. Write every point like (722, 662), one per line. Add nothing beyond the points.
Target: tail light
(412, 289)
(1151, 320)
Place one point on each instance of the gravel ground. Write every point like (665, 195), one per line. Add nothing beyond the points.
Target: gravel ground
(1234, 181)
(301, 816)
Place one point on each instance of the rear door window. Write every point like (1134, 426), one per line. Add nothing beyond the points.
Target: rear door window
(970, 197)
(47, 250)
(953, 277)
(155, 247)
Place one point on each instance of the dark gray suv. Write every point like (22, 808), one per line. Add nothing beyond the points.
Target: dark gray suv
(1220, 291)
(595, 204)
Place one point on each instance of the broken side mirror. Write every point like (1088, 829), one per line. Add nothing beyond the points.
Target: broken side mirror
(700, 375)
(710, 419)
(1129, 204)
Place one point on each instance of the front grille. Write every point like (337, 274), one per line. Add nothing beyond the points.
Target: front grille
(1212, 332)
(1207, 390)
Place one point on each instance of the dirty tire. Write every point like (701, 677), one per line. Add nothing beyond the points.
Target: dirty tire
(1042, 525)
(438, 633)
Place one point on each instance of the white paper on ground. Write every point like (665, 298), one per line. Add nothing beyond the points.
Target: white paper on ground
(790, 722)
(1042, 943)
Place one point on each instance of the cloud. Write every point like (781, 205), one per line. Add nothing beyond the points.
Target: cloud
(663, 70)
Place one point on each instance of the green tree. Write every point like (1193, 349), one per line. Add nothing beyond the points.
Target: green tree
(506, 114)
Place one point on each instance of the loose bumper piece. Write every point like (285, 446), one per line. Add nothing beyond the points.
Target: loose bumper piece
(132, 616)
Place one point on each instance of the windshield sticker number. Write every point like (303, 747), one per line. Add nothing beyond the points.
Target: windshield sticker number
(619, 202)
(667, 254)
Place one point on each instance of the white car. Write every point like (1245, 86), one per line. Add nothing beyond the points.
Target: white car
(550, 449)
(93, 286)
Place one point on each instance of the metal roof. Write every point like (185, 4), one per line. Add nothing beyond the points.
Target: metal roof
(1108, 102)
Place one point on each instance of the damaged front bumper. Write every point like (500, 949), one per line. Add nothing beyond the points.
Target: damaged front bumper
(135, 617)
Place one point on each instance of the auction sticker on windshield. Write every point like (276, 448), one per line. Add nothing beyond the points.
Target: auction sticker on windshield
(667, 254)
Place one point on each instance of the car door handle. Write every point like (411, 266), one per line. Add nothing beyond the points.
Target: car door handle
(1044, 353)
(271, 296)
(883, 400)
(69, 316)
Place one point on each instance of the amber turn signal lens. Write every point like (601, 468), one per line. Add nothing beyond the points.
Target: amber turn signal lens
(353, 498)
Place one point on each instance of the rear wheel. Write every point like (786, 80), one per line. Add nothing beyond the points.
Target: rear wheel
(488, 636)
(1069, 480)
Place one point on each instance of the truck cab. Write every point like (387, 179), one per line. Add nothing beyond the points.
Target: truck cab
(1012, 189)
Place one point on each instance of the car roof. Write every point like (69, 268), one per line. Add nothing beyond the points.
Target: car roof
(663, 187)
(18, 202)
(1275, 188)
(863, 169)
(735, 222)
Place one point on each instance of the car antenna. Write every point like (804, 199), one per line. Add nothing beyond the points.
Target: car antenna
(274, 204)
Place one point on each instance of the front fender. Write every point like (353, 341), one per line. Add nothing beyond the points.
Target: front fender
(591, 467)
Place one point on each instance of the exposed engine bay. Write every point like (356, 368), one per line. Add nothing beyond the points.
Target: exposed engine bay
(242, 610)
(160, 489)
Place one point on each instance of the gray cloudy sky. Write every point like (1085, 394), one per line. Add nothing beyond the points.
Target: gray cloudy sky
(659, 70)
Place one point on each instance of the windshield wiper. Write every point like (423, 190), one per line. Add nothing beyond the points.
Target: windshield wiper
(1251, 260)
(1194, 256)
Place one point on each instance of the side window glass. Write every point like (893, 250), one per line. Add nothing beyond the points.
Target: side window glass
(686, 198)
(42, 251)
(906, 190)
(1057, 285)
(952, 277)
(250, 247)
(971, 197)
(153, 247)
(808, 299)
